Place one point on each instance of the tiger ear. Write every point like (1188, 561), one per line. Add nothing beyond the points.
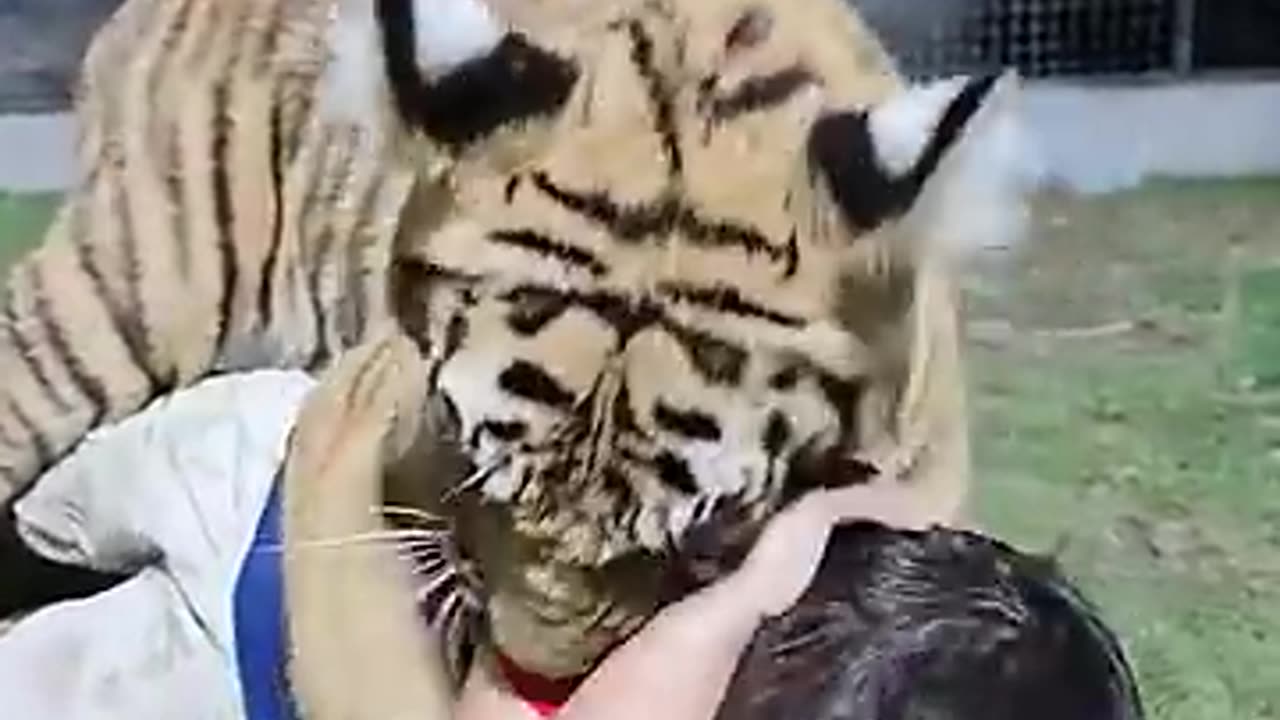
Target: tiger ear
(948, 162)
(376, 43)
(445, 68)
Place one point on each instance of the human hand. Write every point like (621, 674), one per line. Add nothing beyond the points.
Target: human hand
(785, 557)
(887, 502)
(782, 563)
(709, 629)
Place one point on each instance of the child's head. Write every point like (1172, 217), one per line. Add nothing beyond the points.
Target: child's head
(941, 625)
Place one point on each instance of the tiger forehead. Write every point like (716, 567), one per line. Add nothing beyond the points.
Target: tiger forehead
(668, 178)
(677, 95)
(673, 162)
(708, 268)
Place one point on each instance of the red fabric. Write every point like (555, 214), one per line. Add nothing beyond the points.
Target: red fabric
(545, 695)
(543, 709)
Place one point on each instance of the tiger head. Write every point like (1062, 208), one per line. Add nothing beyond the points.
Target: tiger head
(635, 296)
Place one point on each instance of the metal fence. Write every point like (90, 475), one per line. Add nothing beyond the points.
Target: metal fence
(1051, 38)
(41, 40)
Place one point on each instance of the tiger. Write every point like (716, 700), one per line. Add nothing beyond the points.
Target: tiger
(723, 277)
(664, 262)
(211, 225)
(232, 208)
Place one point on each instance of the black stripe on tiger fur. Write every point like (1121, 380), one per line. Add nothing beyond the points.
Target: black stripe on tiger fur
(513, 82)
(843, 149)
(236, 202)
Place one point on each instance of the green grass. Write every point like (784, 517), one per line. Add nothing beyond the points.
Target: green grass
(1123, 370)
(23, 219)
(1259, 348)
(1126, 390)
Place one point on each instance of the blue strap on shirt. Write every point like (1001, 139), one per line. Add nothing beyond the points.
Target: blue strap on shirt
(260, 631)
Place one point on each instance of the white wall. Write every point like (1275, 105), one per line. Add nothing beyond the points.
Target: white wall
(1093, 137)
(1098, 137)
(35, 152)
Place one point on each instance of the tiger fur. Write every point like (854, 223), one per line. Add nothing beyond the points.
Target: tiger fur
(217, 223)
(615, 333)
(235, 208)
(679, 266)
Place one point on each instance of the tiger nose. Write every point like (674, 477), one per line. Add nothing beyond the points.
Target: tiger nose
(608, 404)
(609, 398)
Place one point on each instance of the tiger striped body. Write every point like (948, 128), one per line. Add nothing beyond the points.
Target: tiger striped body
(218, 223)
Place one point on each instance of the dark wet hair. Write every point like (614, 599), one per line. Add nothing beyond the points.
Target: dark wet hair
(936, 625)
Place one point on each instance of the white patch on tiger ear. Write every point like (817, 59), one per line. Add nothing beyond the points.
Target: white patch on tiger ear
(976, 198)
(448, 33)
(902, 126)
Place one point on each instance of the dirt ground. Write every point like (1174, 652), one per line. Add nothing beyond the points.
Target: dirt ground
(1125, 369)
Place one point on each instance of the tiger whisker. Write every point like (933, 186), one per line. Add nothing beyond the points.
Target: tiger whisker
(477, 478)
(424, 591)
(424, 552)
(429, 567)
(434, 538)
(414, 552)
(380, 536)
(447, 608)
(405, 511)
(438, 539)
(422, 549)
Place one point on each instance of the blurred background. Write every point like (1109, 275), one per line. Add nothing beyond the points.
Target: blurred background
(1125, 364)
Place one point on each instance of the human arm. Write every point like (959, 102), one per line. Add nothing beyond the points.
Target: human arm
(682, 661)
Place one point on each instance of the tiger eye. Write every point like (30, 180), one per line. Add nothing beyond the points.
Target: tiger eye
(718, 361)
(532, 310)
(786, 379)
